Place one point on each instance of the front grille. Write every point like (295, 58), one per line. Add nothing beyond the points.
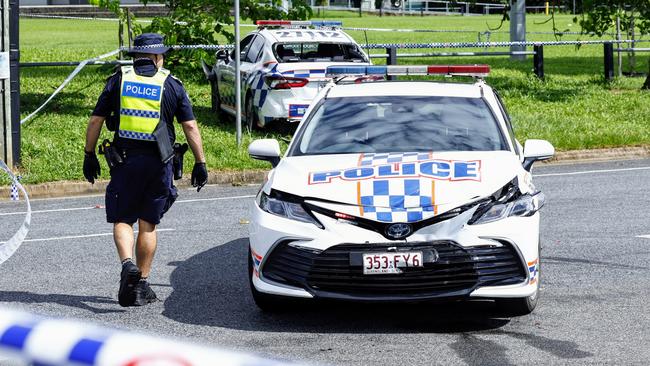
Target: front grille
(338, 273)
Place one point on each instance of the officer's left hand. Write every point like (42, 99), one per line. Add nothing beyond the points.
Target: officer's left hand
(91, 167)
(199, 176)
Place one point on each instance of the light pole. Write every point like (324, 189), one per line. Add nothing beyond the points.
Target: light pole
(517, 27)
(237, 75)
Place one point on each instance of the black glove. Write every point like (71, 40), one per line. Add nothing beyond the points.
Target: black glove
(199, 176)
(91, 167)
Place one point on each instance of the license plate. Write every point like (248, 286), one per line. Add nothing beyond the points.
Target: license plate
(386, 263)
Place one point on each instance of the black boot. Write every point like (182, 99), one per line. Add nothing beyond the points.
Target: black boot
(129, 278)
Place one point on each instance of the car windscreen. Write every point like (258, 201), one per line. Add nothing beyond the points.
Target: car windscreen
(318, 52)
(399, 124)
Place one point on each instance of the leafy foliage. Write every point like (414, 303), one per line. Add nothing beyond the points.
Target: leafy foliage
(199, 22)
(600, 17)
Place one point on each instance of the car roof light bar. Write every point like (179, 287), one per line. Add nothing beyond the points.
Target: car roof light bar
(300, 23)
(478, 71)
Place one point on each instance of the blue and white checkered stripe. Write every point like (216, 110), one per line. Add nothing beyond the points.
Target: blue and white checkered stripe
(397, 200)
(139, 113)
(136, 135)
(54, 342)
(258, 87)
(14, 195)
(370, 159)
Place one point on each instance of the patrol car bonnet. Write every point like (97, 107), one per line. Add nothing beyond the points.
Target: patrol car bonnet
(416, 185)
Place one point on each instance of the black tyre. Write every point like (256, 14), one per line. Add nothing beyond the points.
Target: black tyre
(267, 303)
(252, 119)
(216, 102)
(519, 306)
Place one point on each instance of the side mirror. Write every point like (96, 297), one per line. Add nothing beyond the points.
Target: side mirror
(222, 55)
(265, 149)
(537, 150)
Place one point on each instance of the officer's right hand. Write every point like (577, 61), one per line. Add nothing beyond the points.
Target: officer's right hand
(91, 167)
(199, 176)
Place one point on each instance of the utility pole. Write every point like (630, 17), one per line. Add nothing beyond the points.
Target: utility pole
(9, 84)
(237, 76)
(517, 27)
(5, 88)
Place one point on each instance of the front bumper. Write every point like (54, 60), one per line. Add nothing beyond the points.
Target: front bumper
(301, 260)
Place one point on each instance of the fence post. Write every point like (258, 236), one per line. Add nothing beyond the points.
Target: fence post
(609, 61)
(538, 60)
(391, 59)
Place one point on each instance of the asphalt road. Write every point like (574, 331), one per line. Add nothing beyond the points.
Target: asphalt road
(593, 308)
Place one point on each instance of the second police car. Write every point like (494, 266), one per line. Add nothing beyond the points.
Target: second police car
(400, 191)
(282, 69)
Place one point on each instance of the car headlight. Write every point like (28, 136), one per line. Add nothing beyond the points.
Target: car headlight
(286, 209)
(525, 205)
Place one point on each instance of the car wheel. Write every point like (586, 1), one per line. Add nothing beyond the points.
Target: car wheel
(266, 302)
(523, 305)
(252, 119)
(216, 102)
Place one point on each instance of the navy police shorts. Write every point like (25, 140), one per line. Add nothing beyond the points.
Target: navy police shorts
(141, 188)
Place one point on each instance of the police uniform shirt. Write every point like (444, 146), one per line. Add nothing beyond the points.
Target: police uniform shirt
(175, 103)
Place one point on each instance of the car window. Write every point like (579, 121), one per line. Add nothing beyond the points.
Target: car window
(254, 49)
(399, 124)
(317, 52)
(243, 46)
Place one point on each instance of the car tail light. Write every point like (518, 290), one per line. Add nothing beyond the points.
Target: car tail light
(282, 82)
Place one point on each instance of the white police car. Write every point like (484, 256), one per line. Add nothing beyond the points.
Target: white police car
(282, 69)
(400, 191)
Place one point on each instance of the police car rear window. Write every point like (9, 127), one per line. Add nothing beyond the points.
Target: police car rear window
(399, 124)
(318, 52)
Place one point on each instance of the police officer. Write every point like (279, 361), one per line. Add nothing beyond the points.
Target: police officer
(139, 103)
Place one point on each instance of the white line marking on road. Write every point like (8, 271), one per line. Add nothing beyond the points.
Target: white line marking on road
(643, 236)
(53, 210)
(592, 172)
(94, 208)
(80, 236)
(214, 199)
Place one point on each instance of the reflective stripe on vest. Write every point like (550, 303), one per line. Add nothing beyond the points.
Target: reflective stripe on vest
(140, 103)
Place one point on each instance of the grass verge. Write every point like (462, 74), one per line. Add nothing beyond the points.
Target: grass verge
(573, 107)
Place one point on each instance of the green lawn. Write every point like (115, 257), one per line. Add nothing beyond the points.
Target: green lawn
(573, 108)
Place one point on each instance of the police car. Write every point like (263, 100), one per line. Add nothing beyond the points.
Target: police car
(400, 191)
(282, 69)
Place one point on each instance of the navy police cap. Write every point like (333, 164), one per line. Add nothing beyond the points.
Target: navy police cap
(148, 43)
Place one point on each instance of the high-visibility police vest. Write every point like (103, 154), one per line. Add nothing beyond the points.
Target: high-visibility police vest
(140, 103)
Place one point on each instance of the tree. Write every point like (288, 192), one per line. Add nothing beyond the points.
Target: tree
(192, 22)
(599, 17)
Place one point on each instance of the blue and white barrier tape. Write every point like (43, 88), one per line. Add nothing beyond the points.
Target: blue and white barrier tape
(8, 248)
(74, 73)
(55, 342)
(392, 30)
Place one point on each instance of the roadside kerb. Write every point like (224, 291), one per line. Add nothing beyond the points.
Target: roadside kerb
(77, 188)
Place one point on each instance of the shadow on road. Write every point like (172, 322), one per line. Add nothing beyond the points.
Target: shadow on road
(81, 302)
(211, 288)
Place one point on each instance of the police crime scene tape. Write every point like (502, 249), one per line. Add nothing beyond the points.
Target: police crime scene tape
(56, 342)
(74, 73)
(8, 248)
